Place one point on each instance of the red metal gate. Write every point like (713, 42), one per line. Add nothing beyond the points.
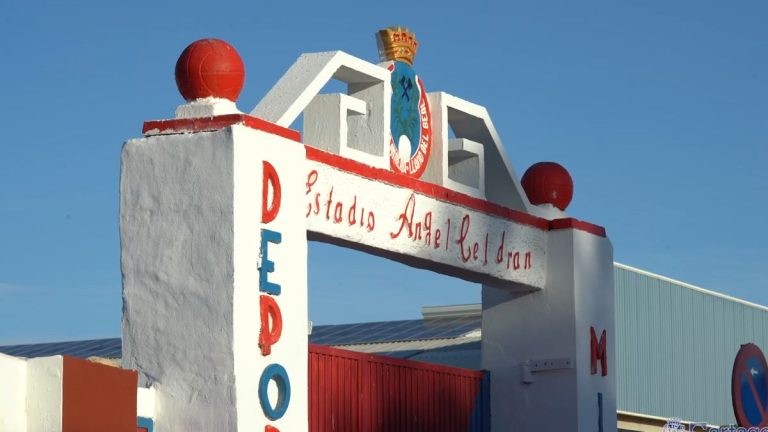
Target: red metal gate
(356, 392)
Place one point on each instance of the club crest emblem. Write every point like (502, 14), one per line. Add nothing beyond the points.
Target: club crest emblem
(411, 121)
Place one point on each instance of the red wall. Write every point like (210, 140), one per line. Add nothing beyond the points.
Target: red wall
(97, 398)
(351, 391)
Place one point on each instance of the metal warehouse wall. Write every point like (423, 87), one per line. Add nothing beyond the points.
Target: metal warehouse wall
(676, 344)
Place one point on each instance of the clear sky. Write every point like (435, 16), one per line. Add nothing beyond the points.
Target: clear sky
(658, 108)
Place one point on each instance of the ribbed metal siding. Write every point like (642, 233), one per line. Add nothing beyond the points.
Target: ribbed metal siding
(351, 391)
(675, 347)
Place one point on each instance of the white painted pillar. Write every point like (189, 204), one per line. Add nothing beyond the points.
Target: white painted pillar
(13, 398)
(537, 345)
(198, 258)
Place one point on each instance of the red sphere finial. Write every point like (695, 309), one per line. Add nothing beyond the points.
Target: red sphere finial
(548, 183)
(210, 68)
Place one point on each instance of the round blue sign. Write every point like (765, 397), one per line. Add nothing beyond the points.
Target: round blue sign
(749, 387)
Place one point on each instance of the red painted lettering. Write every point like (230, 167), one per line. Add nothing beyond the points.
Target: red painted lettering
(448, 234)
(463, 231)
(527, 264)
(514, 258)
(428, 228)
(406, 218)
(269, 178)
(337, 212)
(351, 216)
(500, 251)
(597, 351)
(269, 334)
(328, 206)
(311, 180)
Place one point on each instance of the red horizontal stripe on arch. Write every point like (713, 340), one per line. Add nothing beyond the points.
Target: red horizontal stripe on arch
(207, 124)
(443, 194)
(577, 224)
(176, 126)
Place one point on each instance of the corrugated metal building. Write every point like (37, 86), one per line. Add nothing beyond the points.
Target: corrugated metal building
(675, 346)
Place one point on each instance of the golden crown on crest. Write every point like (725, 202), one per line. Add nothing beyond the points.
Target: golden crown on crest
(397, 43)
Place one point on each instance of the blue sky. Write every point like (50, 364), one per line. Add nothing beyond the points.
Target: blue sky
(659, 109)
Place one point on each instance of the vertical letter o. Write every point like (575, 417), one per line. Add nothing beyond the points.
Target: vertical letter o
(277, 373)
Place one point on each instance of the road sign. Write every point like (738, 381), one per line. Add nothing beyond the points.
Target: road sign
(749, 387)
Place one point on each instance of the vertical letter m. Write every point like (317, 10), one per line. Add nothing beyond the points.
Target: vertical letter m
(597, 351)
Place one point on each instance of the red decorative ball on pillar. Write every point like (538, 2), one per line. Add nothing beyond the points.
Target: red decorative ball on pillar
(548, 183)
(210, 68)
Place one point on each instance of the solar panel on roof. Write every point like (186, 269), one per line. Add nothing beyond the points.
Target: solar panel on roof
(110, 348)
(341, 334)
(391, 331)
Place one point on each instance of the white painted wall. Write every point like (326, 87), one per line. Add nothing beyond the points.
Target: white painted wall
(553, 323)
(13, 397)
(145, 402)
(595, 307)
(190, 230)
(176, 227)
(346, 125)
(44, 394)
(251, 147)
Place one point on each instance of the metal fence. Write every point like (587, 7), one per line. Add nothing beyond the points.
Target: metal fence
(355, 392)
